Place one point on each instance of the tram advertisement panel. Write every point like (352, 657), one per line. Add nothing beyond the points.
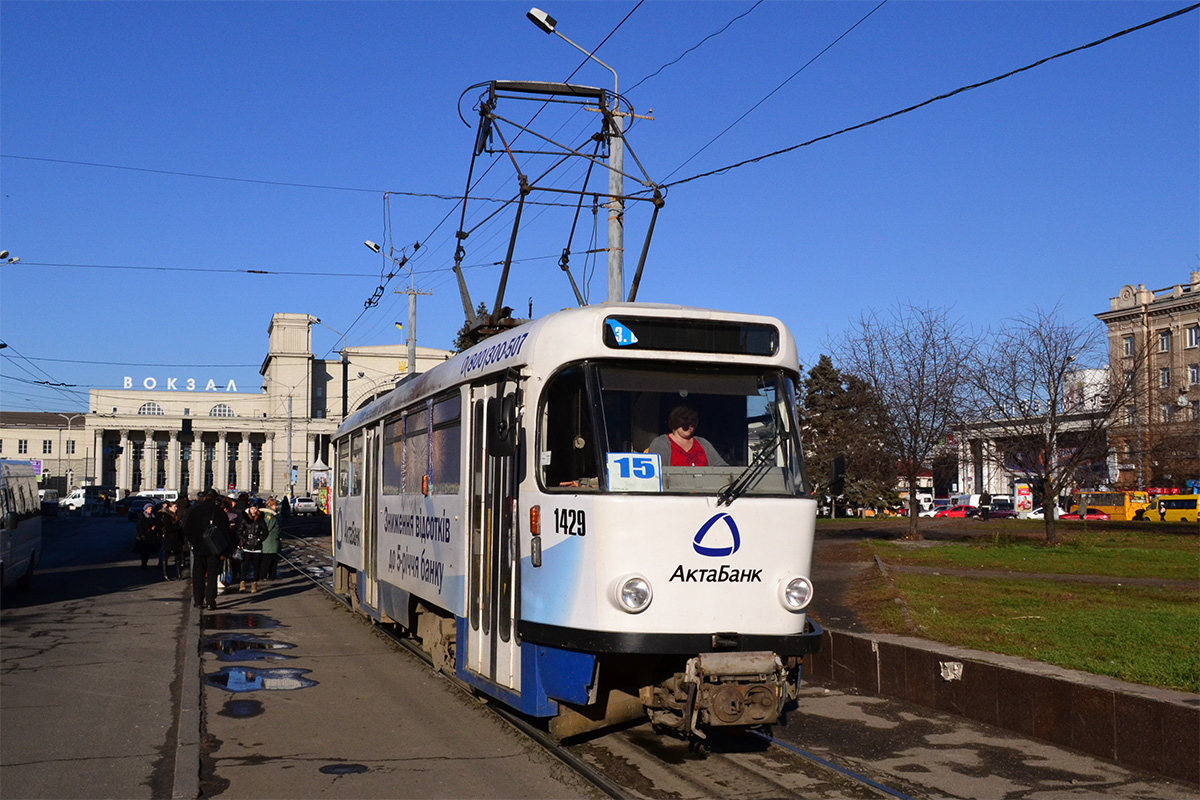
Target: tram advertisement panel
(348, 534)
(421, 547)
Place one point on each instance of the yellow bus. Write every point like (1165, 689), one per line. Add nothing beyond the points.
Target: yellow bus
(1173, 508)
(1118, 505)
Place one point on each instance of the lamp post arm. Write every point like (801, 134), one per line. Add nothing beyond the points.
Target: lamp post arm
(598, 61)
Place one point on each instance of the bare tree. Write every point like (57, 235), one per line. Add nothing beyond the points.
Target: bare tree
(916, 361)
(1044, 399)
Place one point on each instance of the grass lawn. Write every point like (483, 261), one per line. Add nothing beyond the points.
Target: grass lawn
(1143, 634)
(1113, 553)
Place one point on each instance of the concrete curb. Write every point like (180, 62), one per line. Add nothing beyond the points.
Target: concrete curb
(187, 744)
(1141, 727)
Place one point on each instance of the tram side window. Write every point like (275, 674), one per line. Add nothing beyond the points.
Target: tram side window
(343, 468)
(393, 457)
(567, 444)
(416, 448)
(446, 446)
(356, 465)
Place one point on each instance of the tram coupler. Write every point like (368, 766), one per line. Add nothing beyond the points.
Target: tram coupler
(735, 689)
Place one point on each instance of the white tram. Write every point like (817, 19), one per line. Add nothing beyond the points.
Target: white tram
(505, 509)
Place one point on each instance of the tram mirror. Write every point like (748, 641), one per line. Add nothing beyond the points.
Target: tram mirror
(502, 425)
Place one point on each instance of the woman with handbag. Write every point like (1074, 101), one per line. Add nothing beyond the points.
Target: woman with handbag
(252, 532)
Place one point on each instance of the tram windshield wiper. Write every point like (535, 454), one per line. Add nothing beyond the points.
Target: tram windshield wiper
(753, 471)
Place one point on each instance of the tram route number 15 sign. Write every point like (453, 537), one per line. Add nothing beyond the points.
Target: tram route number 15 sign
(634, 472)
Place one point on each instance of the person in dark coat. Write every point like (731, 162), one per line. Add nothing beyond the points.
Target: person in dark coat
(172, 539)
(252, 532)
(206, 558)
(147, 539)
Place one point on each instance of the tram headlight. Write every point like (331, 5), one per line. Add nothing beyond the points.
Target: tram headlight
(633, 594)
(796, 594)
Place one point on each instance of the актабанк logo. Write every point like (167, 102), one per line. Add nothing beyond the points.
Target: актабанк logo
(729, 545)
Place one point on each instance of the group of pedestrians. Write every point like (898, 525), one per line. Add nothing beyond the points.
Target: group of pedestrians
(160, 532)
(237, 537)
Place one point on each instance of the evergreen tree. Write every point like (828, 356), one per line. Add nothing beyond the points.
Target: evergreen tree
(461, 340)
(840, 415)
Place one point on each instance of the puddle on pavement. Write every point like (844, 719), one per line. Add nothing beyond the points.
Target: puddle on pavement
(241, 709)
(234, 622)
(243, 679)
(344, 769)
(246, 647)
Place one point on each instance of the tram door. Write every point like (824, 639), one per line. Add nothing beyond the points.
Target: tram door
(492, 650)
(371, 521)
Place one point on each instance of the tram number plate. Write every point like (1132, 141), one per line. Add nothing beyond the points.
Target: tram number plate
(634, 472)
(570, 521)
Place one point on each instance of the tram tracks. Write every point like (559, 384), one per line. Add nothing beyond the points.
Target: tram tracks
(636, 762)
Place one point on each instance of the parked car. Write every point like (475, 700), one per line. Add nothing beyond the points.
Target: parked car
(956, 511)
(305, 505)
(49, 499)
(1088, 513)
(929, 512)
(1001, 512)
(1040, 513)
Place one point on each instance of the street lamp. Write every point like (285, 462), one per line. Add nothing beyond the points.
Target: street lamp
(70, 467)
(616, 165)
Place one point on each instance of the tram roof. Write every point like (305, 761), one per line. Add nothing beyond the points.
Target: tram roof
(574, 334)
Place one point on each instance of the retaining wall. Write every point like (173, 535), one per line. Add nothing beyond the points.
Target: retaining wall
(1156, 730)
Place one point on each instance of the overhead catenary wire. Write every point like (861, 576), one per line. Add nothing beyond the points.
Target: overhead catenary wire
(769, 94)
(694, 47)
(938, 98)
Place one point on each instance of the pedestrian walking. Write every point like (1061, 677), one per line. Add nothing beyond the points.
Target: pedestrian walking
(270, 556)
(206, 529)
(173, 545)
(147, 540)
(252, 532)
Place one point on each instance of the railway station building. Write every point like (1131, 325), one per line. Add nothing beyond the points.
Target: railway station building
(173, 432)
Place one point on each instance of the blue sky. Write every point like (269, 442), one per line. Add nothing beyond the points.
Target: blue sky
(1055, 186)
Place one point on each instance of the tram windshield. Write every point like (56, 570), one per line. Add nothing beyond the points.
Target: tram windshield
(600, 425)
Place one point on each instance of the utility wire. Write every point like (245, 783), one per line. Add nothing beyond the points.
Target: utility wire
(694, 47)
(202, 269)
(777, 88)
(139, 364)
(932, 100)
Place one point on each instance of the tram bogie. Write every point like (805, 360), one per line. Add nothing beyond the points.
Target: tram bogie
(514, 510)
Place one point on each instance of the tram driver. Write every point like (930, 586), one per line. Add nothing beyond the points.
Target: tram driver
(681, 447)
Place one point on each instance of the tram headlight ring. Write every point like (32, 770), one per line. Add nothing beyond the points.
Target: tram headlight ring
(795, 594)
(632, 594)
